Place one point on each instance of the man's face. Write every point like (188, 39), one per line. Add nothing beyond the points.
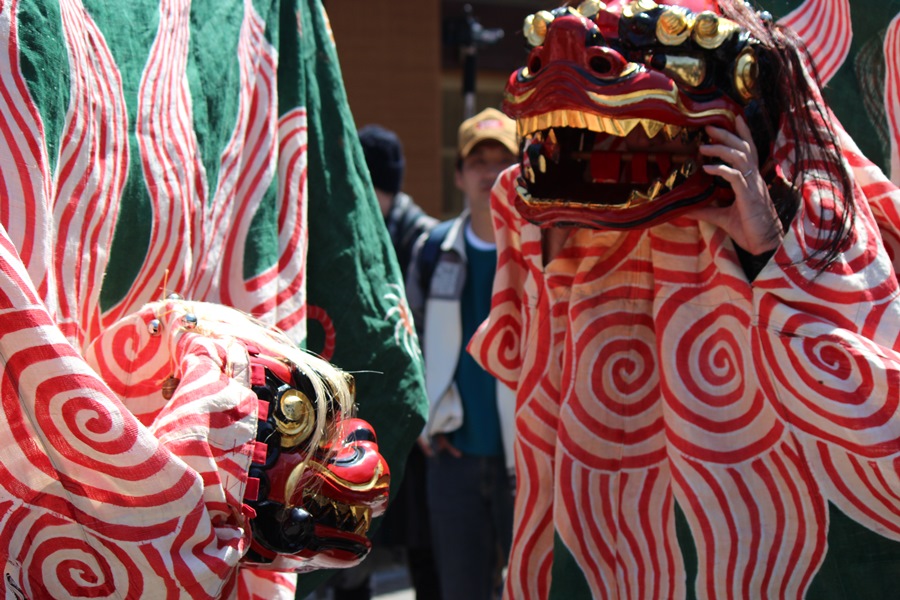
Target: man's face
(479, 171)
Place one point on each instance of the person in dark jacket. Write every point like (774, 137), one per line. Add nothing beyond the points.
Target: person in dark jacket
(406, 524)
(405, 220)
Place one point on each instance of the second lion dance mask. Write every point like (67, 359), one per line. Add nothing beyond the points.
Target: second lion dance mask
(693, 417)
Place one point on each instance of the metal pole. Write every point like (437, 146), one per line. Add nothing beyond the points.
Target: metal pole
(473, 35)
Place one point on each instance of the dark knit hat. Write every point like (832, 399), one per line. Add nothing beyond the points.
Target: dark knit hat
(384, 156)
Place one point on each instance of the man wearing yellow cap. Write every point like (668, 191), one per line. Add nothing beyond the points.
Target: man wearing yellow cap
(470, 430)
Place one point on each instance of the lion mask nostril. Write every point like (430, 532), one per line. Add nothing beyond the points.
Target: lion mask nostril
(601, 65)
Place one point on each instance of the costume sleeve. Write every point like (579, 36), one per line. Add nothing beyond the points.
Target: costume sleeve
(257, 584)
(94, 502)
(415, 295)
(880, 194)
(497, 345)
(827, 347)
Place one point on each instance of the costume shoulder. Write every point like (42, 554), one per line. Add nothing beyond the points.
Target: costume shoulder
(496, 346)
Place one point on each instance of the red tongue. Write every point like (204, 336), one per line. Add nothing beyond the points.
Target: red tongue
(639, 168)
(605, 167)
(664, 162)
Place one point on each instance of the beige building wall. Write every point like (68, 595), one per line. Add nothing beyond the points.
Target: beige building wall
(390, 54)
(401, 71)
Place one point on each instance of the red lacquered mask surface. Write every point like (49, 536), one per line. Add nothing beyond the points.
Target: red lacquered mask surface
(314, 505)
(611, 108)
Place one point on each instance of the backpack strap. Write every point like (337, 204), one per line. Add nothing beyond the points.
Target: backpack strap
(428, 255)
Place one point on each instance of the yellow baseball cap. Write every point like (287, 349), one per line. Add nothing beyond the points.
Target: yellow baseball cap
(489, 124)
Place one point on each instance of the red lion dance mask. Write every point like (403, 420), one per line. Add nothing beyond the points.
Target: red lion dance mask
(316, 479)
(612, 103)
(694, 416)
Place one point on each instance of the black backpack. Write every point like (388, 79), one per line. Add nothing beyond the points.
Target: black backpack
(431, 250)
(405, 223)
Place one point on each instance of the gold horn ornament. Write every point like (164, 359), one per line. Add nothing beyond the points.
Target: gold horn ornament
(535, 27)
(674, 26)
(300, 418)
(590, 8)
(637, 7)
(710, 30)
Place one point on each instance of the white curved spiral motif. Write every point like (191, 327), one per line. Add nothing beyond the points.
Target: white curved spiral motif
(712, 400)
(622, 422)
(662, 376)
(832, 383)
(75, 567)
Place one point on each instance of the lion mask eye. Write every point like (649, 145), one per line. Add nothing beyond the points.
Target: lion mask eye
(746, 74)
(295, 417)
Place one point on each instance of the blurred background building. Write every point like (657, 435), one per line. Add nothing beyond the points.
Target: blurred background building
(403, 66)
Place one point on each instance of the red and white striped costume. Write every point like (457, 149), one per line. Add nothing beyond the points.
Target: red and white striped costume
(650, 371)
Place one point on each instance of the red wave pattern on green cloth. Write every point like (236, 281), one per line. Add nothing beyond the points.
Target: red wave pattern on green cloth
(825, 28)
(197, 249)
(62, 222)
(112, 490)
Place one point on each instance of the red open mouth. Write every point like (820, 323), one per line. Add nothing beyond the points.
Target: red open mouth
(345, 492)
(590, 177)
